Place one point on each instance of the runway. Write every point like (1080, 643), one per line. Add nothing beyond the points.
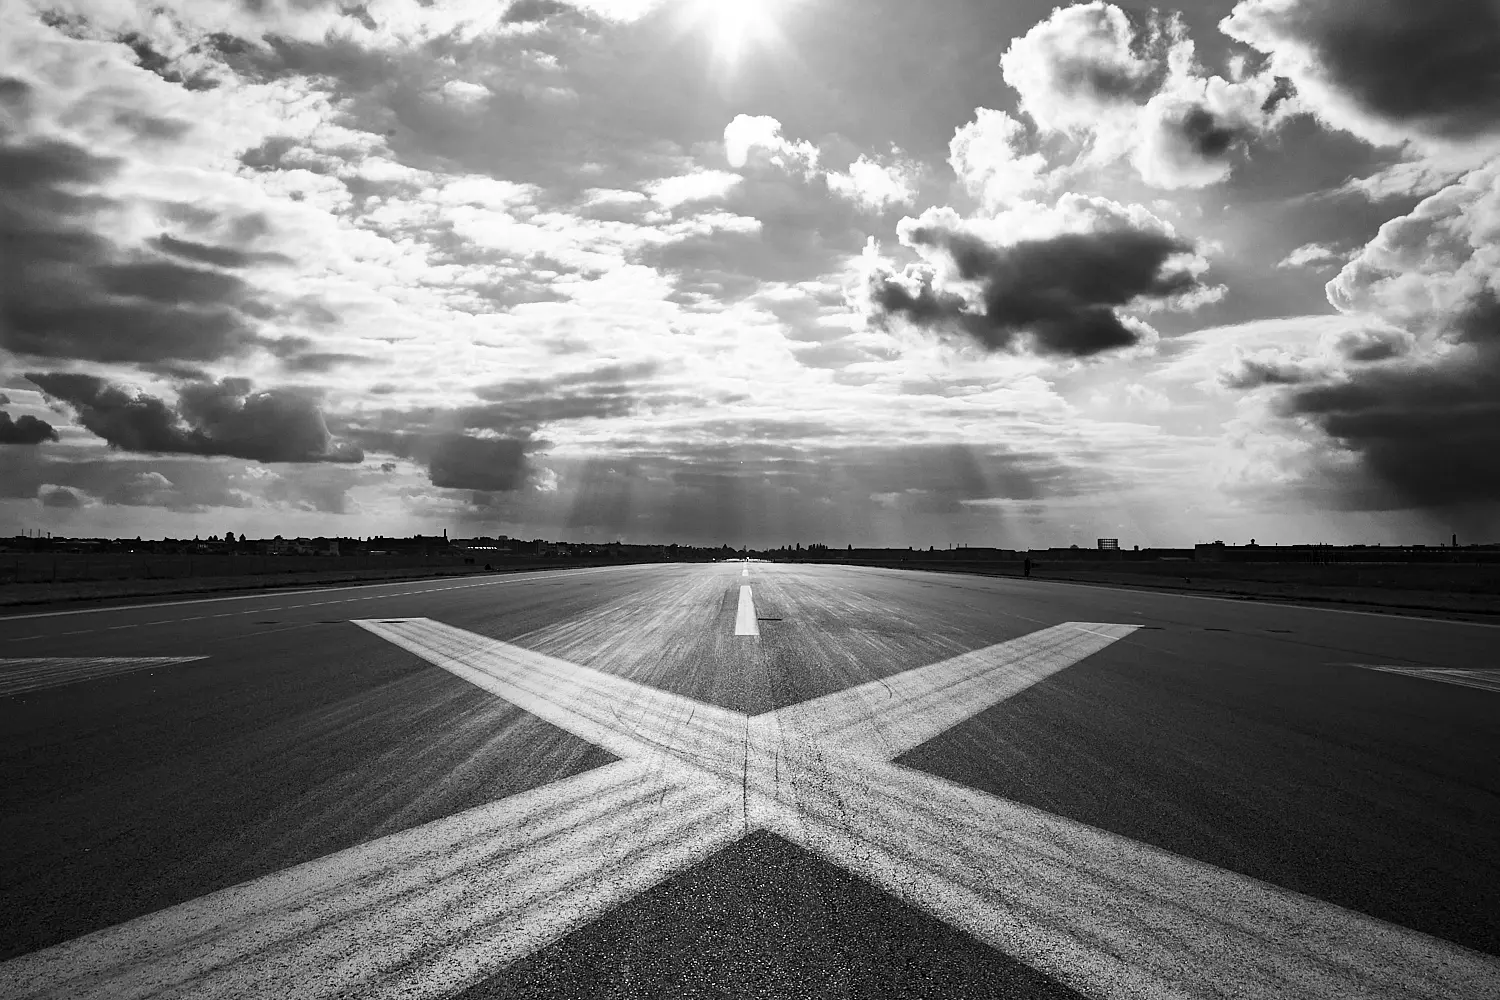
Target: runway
(747, 780)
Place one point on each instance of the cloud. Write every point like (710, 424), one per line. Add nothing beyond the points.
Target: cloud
(873, 185)
(755, 145)
(28, 430)
(1417, 403)
(1311, 255)
(1428, 431)
(530, 11)
(62, 498)
(472, 463)
(1187, 137)
(177, 484)
(760, 135)
(1262, 368)
(464, 92)
(1082, 63)
(1386, 70)
(705, 185)
(1059, 295)
(210, 418)
(483, 446)
(987, 156)
(217, 256)
(74, 294)
(1365, 346)
(1127, 88)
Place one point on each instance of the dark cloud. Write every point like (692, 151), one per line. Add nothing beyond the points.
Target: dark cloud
(184, 484)
(523, 405)
(1430, 432)
(1374, 345)
(26, 430)
(1418, 409)
(511, 412)
(1283, 90)
(529, 11)
(323, 361)
(1060, 294)
(460, 462)
(210, 418)
(1206, 134)
(1254, 372)
(1428, 66)
(62, 498)
(218, 256)
(67, 292)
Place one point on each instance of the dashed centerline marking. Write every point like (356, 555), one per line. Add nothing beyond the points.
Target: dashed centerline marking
(744, 618)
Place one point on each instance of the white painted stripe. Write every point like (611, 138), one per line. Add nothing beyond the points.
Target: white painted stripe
(745, 571)
(428, 911)
(33, 673)
(1483, 679)
(423, 912)
(894, 714)
(1109, 916)
(744, 618)
(623, 717)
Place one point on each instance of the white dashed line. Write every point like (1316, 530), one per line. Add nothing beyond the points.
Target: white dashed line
(744, 618)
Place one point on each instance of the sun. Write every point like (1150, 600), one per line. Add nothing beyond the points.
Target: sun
(733, 27)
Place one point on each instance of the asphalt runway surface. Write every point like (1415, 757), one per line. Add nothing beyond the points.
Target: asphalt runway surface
(747, 780)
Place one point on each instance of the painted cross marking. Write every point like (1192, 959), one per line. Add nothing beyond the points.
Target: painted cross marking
(427, 911)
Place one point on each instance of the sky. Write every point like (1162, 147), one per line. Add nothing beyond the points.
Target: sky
(864, 272)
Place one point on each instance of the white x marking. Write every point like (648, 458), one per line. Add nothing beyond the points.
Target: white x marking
(424, 912)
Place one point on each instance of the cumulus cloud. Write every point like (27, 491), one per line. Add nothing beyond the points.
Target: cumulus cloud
(1128, 88)
(1386, 70)
(755, 145)
(874, 185)
(747, 136)
(1417, 402)
(466, 93)
(1084, 63)
(987, 155)
(226, 417)
(1059, 294)
(27, 430)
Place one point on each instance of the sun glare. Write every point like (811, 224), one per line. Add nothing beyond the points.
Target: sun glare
(733, 27)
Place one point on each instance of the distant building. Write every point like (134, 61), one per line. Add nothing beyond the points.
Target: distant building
(1109, 544)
